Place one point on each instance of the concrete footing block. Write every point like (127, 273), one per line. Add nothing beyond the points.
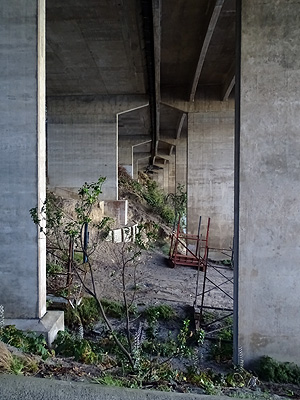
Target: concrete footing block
(118, 210)
(48, 326)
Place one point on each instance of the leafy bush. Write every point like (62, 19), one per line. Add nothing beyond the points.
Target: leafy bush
(53, 268)
(279, 372)
(81, 349)
(28, 342)
(167, 213)
(86, 314)
(113, 308)
(223, 349)
(157, 347)
(168, 207)
(160, 312)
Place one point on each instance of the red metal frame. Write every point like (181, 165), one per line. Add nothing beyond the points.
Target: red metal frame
(190, 258)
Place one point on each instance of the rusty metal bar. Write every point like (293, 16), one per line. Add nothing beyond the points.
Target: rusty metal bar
(190, 258)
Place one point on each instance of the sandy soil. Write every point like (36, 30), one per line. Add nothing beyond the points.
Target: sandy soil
(155, 282)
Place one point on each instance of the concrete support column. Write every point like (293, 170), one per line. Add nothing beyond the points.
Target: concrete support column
(140, 163)
(129, 151)
(269, 249)
(181, 161)
(172, 174)
(158, 177)
(22, 163)
(210, 170)
(22, 160)
(166, 177)
(83, 140)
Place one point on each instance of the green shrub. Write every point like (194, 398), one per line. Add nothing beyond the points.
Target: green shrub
(88, 312)
(28, 342)
(81, 349)
(112, 308)
(279, 372)
(222, 350)
(110, 380)
(157, 347)
(160, 312)
(168, 214)
(53, 269)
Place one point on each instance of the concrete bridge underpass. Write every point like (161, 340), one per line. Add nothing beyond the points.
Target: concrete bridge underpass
(204, 93)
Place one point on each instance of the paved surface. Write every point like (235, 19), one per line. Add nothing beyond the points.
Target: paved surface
(18, 388)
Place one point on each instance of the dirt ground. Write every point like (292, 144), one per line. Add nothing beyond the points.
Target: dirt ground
(157, 283)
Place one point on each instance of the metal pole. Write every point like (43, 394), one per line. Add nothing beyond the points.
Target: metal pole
(70, 261)
(198, 238)
(203, 290)
(85, 242)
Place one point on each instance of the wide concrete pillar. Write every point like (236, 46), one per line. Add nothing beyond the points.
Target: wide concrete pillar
(269, 250)
(140, 163)
(172, 174)
(22, 163)
(82, 134)
(181, 161)
(129, 151)
(210, 170)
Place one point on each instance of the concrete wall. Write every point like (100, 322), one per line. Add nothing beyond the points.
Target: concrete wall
(172, 174)
(82, 138)
(128, 151)
(269, 285)
(181, 161)
(22, 157)
(210, 170)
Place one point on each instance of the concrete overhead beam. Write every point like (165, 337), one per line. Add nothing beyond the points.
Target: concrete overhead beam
(115, 104)
(171, 144)
(199, 105)
(156, 10)
(151, 14)
(141, 155)
(229, 83)
(180, 125)
(134, 140)
(209, 33)
(164, 157)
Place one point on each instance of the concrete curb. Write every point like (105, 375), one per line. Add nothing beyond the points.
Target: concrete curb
(19, 387)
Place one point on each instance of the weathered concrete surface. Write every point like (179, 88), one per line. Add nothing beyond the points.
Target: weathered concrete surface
(95, 47)
(181, 161)
(269, 285)
(210, 170)
(48, 325)
(22, 157)
(82, 141)
(132, 148)
(118, 210)
(134, 136)
(172, 174)
(16, 388)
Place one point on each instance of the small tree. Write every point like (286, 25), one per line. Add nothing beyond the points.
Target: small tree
(65, 233)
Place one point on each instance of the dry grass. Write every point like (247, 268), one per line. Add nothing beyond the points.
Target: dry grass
(6, 358)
